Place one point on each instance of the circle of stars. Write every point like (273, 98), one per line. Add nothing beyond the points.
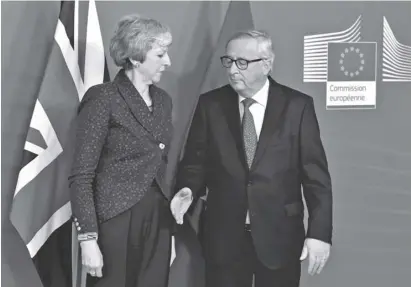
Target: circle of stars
(343, 55)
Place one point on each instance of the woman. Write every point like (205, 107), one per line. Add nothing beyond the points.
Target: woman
(119, 198)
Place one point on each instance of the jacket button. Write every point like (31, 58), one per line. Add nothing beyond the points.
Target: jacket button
(250, 183)
(162, 146)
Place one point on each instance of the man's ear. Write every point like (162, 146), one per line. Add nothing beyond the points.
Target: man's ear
(268, 65)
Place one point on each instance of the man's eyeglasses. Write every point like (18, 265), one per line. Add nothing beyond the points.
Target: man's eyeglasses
(241, 63)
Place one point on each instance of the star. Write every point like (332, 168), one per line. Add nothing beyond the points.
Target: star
(360, 67)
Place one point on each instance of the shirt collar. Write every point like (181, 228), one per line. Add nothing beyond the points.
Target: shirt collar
(261, 96)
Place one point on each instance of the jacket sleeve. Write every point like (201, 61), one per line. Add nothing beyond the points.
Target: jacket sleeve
(92, 128)
(191, 170)
(316, 179)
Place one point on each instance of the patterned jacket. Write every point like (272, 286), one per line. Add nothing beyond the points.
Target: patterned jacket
(121, 147)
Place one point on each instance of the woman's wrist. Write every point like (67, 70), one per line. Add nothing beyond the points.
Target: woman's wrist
(87, 236)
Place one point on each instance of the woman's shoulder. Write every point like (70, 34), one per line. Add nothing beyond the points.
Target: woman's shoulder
(103, 88)
(100, 92)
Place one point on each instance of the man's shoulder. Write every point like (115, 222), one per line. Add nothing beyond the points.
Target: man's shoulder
(293, 94)
(217, 94)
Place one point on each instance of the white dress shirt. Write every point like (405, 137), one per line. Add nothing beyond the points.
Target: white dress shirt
(258, 111)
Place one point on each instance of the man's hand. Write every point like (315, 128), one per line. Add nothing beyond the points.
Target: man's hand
(91, 258)
(180, 204)
(318, 253)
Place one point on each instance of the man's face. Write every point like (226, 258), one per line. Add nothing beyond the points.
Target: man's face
(246, 82)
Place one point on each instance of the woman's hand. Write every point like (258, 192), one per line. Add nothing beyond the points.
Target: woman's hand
(91, 257)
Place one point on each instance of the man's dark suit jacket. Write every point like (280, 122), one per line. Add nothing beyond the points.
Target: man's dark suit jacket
(289, 155)
(121, 147)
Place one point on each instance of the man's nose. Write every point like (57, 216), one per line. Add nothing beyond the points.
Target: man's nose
(233, 69)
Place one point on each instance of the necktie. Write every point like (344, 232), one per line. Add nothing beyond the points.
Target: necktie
(249, 133)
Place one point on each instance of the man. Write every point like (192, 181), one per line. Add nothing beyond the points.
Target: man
(253, 144)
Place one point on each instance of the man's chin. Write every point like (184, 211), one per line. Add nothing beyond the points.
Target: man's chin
(237, 85)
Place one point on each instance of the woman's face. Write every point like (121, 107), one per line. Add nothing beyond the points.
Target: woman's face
(157, 59)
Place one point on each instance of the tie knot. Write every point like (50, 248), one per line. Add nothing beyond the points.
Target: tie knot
(247, 102)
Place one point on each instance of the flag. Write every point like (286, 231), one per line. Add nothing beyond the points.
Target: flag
(24, 58)
(187, 269)
(351, 61)
(41, 206)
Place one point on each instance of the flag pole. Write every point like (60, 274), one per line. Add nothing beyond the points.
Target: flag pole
(74, 255)
(74, 243)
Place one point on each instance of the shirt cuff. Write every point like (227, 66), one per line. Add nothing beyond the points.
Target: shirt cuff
(87, 236)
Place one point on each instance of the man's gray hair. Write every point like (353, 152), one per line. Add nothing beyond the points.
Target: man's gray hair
(265, 44)
(134, 37)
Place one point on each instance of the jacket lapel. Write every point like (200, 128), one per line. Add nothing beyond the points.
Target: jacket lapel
(152, 122)
(232, 114)
(275, 106)
(162, 126)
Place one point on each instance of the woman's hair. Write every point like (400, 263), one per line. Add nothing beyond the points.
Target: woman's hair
(133, 38)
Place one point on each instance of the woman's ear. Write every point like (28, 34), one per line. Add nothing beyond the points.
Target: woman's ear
(135, 63)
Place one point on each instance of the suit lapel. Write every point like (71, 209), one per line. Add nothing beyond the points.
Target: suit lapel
(275, 105)
(232, 113)
(152, 122)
